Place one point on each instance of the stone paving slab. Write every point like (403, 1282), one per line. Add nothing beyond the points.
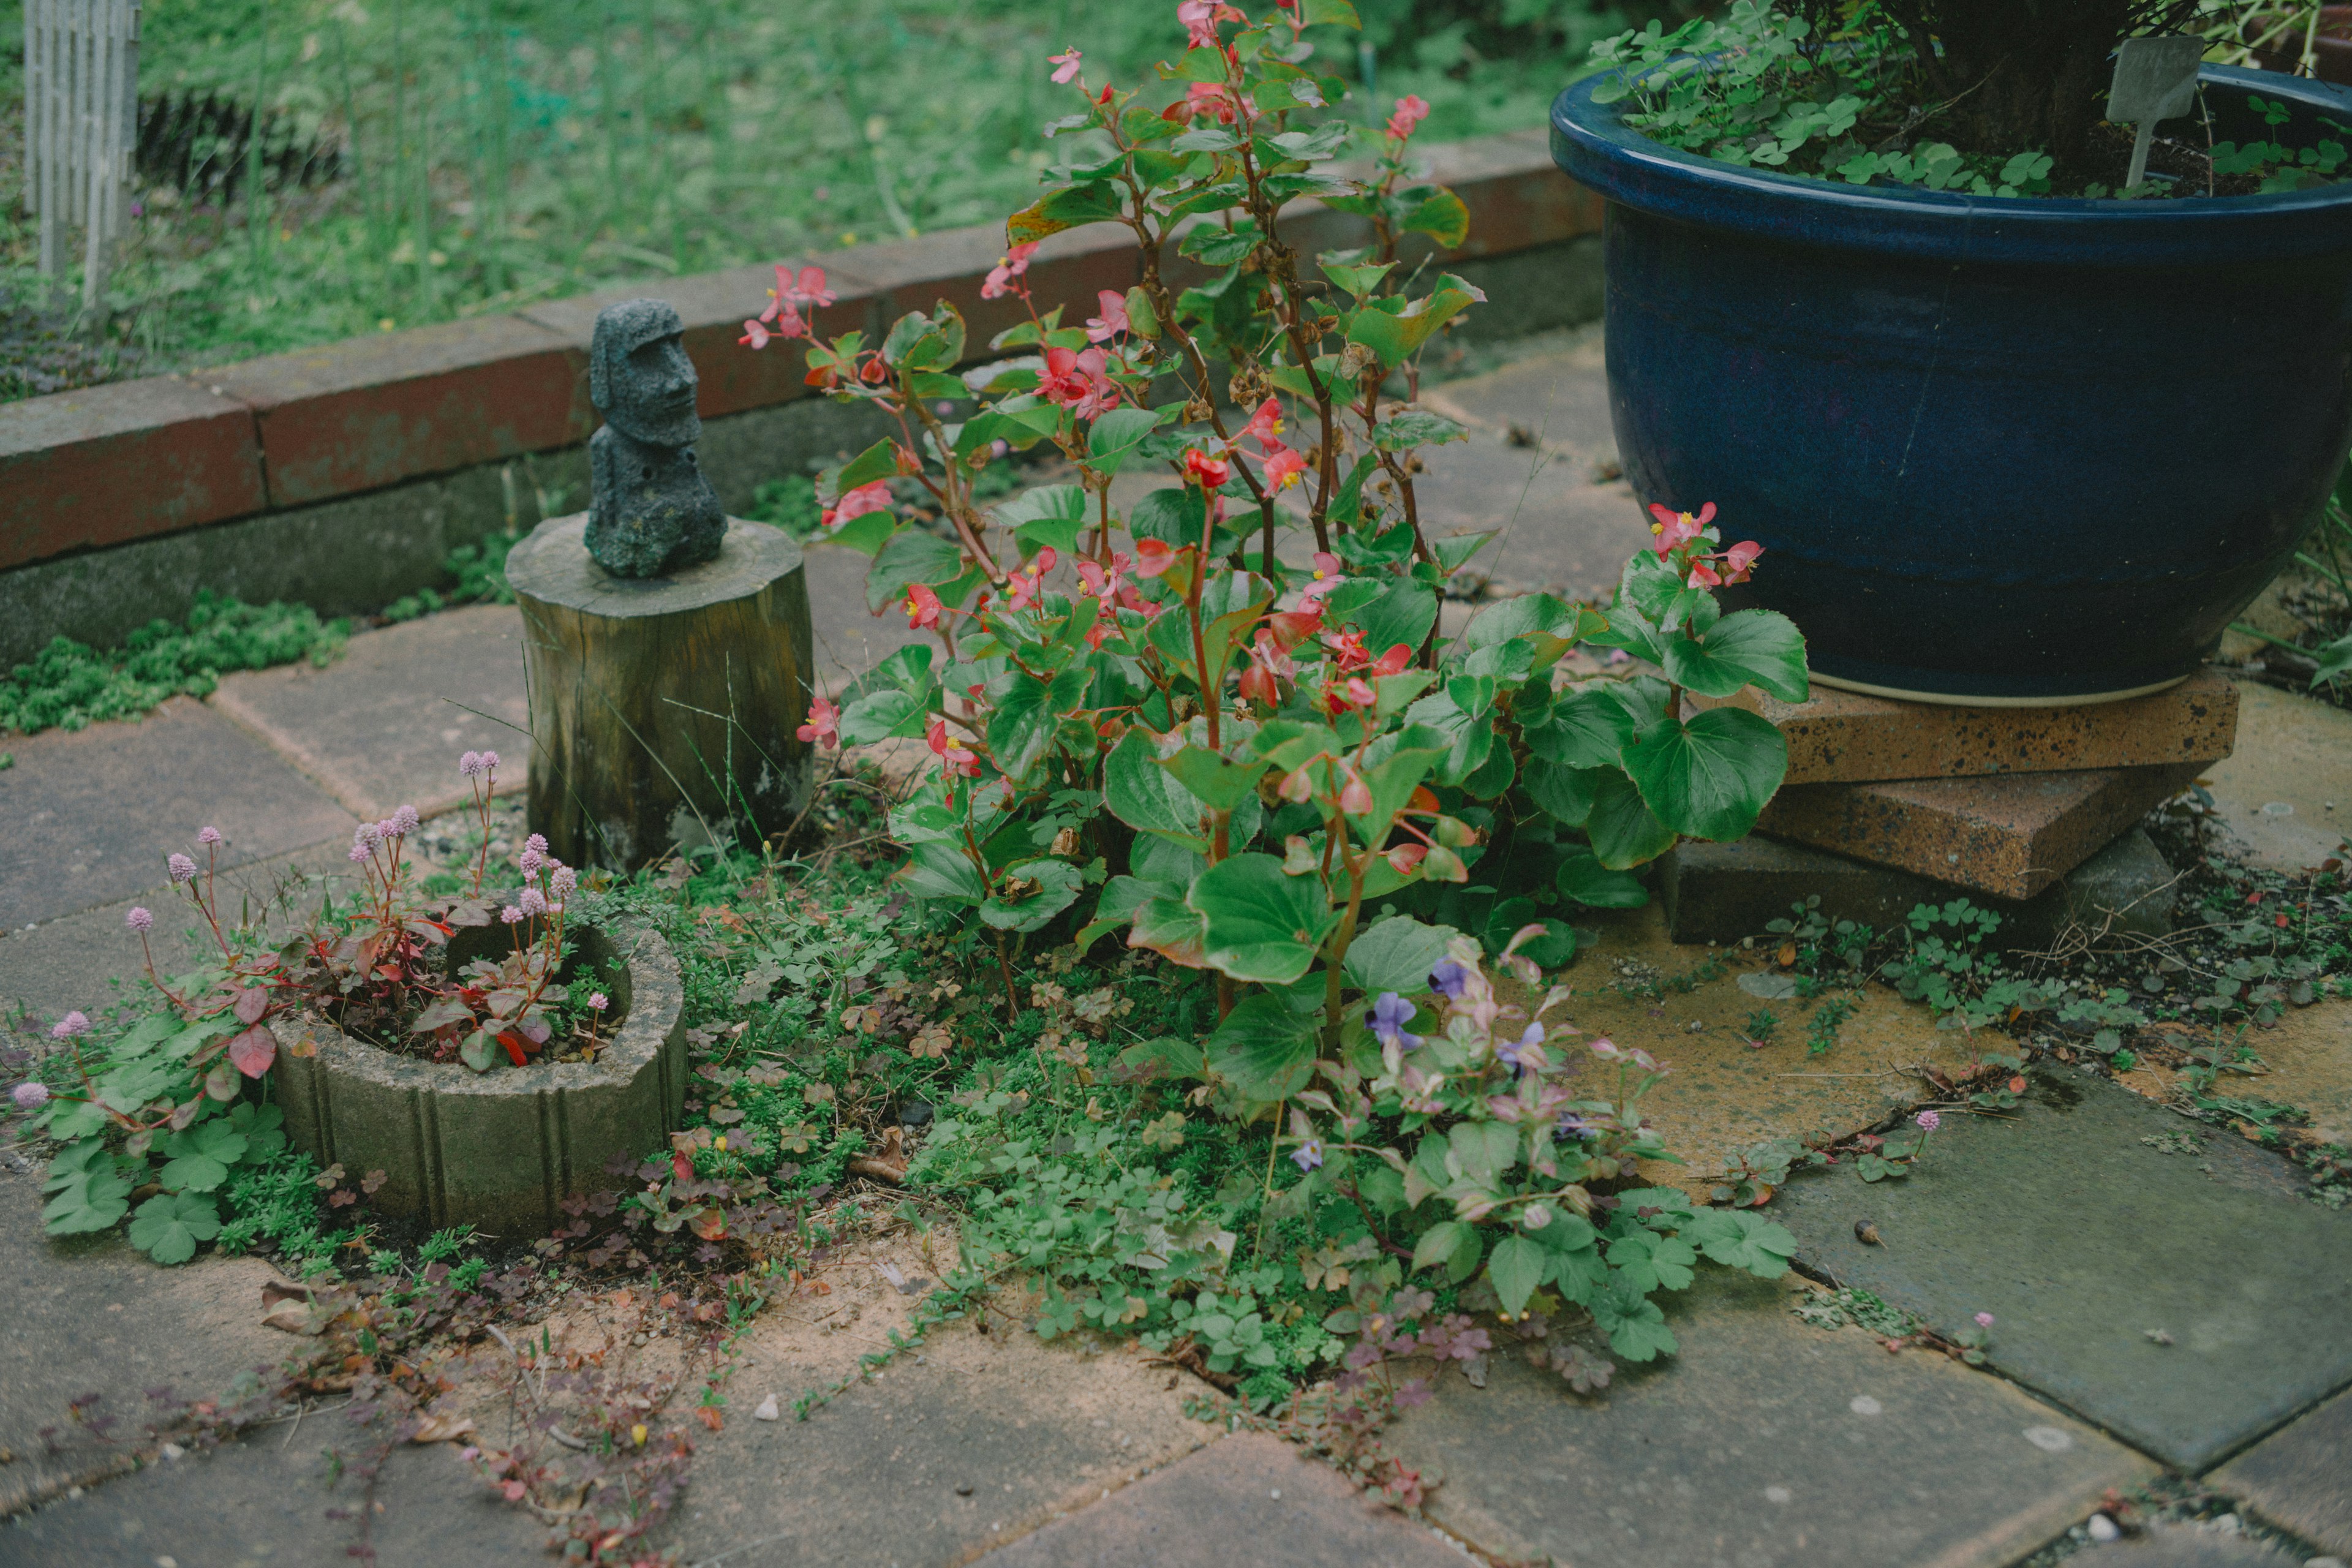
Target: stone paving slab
(262, 1502)
(1248, 1498)
(90, 814)
(91, 1316)
(1765, 1444)
(383, 724)
(1725, 1096)
(2011, 835)
(935, 1461)
(2285, 795)
(2080, 1237)
(2300, 1478)
(1845, 736)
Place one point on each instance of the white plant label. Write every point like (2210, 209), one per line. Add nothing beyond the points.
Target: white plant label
(2155, 79)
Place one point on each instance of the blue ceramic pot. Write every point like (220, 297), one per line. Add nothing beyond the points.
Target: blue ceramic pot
(1997, 450)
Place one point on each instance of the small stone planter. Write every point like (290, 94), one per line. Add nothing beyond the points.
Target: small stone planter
(500, 1150)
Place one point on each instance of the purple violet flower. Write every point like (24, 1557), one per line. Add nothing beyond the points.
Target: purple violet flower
(30, 1096)
(140, 919)
(1571, 1125)
(1449, 979)
(183, 869)
(1510, 1052)
(1309, 1154)
(1388, 1018)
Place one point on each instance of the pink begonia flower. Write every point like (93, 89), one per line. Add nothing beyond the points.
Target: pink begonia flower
(1152, 557)
(30, 1096)
(1673, 527)
(1283, 469)
(1355, 795)
(922, 607)
(1328, 575)
(1739, 559)
(1075, 376)
(824, 727)
(1393, 661)
(1201, 17)
(1065, 65)
(182, 869)
(1267, 666)
(1411, 111)
(209, 835)
(1702, 576)
(1005, 278)
(808, 289)
(140, 919)
(954, 758)
(1113, 320)
(1265, 426)
(1347, 650)
(867, 498)
(1025, 587)
(1213, 473)
(1208, 97)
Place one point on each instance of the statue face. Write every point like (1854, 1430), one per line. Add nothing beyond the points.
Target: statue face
(649, 382)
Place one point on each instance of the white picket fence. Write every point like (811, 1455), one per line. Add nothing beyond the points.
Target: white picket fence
(81, 125)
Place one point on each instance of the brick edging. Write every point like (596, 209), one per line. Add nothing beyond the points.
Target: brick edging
(141, 459)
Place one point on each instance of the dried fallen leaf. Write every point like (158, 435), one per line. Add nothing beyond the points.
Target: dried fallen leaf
(442, 1429)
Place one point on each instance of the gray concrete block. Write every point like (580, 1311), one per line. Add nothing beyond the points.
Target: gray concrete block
(1721, 892)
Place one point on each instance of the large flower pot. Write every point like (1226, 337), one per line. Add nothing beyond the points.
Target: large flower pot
(499, 1150)
(1998, 450)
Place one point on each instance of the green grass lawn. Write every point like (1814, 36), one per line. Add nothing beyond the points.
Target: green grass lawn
(502, 151)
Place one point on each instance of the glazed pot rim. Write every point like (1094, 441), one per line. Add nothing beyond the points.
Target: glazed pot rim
(1591, 142)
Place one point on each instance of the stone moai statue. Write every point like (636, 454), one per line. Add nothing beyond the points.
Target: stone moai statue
(650, 511)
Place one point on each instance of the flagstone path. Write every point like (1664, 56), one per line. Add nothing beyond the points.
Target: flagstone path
(1768, 1441)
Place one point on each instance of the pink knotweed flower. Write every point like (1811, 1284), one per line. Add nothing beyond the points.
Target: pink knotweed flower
(471, 764)
(209, 835)
(139, 921)
(533, 902)
(183, 869)
(405, 820)
(564, 879)
(387, 830)
(1984, 1320)
(511, 915)
(531, 861)
(359, 855)
(72, 1023)
(30, 1096)
(537, 844)
(1928, 1120)
(367, 833)
(598, 1001)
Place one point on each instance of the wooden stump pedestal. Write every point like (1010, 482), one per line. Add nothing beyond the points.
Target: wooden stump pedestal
(663, 710)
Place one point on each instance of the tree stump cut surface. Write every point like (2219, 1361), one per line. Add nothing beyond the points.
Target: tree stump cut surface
(663, 710)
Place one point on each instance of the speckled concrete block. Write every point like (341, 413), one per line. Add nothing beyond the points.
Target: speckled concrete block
(2010, 836)
(499, 1150)
(2300, 1477)
(1847, 737)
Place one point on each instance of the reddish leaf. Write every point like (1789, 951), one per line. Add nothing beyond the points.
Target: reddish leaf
(681, 1167)
(513, 1043)
(251, 1003)
(221, 1082)
(254, 1050)
(372, 1181)
(710, 1224)
(711, 1418)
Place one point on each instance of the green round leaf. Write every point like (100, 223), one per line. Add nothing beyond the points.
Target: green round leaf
(1709, 777)
(1584, 878)
(1260, 923)
(1623, 830)
(1754, 648)
(1516, 1268)
(1264, 1047)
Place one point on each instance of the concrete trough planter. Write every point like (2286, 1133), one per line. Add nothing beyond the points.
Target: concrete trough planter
(500, 1150)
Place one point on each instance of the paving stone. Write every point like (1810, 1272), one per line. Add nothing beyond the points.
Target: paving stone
(91, 815)
(89, 1315)
(263, 1502)
(2011, 835)
(1249, 1498)
(1848, 736)
(987, 1438)
(85, 959)
(1725, 1096)
(1764, 1442)
(384, 723)
(2300, 1478)
(1558, 396)
(2285, 795)
(1722, 892)
(2185, 1546)
(2081, 1236)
